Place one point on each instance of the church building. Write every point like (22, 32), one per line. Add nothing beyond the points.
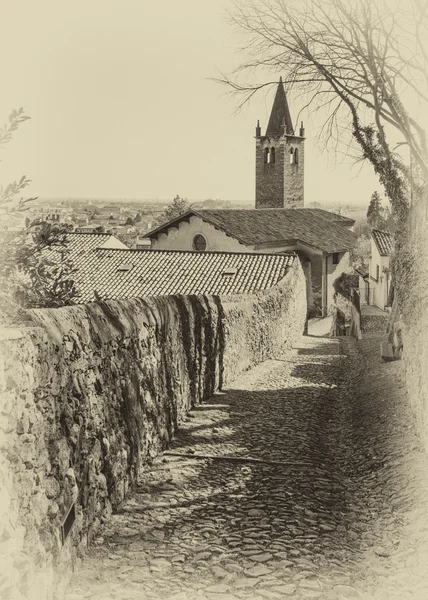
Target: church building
(279, 223)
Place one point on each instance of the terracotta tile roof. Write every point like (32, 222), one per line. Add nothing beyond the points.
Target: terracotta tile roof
(81, 243)
(261, 227)
(384, 241)
(135, 273)
(80, 247)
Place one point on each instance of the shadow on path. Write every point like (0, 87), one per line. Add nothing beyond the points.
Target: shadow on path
(321, 513)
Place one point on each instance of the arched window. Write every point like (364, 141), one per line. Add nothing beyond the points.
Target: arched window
(199, 243)
(266, 155)
(272, 155)
(291, 156)
(296, 157)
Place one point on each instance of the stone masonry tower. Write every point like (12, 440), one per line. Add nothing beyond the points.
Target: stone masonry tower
(280, 159)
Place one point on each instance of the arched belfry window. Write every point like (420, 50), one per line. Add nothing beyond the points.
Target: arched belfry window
(296, 157)
(291, 156)
(272, 155)
(266, 155)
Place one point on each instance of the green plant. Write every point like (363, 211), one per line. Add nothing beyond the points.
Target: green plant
(35, 265)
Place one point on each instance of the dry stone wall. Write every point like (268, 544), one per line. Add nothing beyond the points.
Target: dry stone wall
(90, 393)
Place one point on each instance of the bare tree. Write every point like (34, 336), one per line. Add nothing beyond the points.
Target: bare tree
(365, 61)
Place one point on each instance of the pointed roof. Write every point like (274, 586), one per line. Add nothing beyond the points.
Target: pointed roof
(280, 112)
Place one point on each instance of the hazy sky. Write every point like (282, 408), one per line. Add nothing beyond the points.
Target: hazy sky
(121, 104)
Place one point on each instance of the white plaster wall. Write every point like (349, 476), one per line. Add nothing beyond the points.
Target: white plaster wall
(181, 238)
(375, 259)
(380, 294)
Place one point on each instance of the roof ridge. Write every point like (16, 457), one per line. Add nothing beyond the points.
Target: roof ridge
(199, 253)
(89, 233)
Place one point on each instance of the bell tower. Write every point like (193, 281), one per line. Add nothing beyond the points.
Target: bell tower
(280, 158)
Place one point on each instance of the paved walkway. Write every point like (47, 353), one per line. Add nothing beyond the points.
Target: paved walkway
(370, 310)
(316, 488)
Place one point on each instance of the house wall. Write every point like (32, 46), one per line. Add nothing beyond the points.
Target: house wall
(90, 392)
(363, 284)
(181, 237)
(379, 287)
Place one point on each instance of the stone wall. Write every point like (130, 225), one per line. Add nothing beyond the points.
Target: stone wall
(269, 176)
(90, 393)
(415, 317)
(280, 184)
(294, 173)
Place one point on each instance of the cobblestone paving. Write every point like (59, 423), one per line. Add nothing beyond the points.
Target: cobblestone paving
(316, 489)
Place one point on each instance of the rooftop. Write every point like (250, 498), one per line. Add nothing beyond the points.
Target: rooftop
(384, 241)
(280, 114)
(114, 274)
(80, 243)
(258, 227)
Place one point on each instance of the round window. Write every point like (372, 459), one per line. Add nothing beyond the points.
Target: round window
(199, 243)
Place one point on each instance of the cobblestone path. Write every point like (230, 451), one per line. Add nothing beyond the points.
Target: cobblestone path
(316, 489)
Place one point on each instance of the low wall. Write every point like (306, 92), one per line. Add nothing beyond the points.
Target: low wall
(90, 393)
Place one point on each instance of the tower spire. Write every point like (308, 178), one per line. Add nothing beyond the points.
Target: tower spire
(280, 114)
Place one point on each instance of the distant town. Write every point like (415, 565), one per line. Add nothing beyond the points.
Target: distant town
(130, 219)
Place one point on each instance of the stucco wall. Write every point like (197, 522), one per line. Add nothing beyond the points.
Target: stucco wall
(379, 295)
(181, 238)
(89, 393)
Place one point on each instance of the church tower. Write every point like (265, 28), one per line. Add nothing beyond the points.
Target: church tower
(280, 159)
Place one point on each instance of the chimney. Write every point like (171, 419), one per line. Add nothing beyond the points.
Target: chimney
(302, 130)
(258, 129)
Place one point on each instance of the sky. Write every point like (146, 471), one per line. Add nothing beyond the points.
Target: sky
(122, 105)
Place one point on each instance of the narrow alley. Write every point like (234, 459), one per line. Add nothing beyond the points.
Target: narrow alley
(304, 479)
